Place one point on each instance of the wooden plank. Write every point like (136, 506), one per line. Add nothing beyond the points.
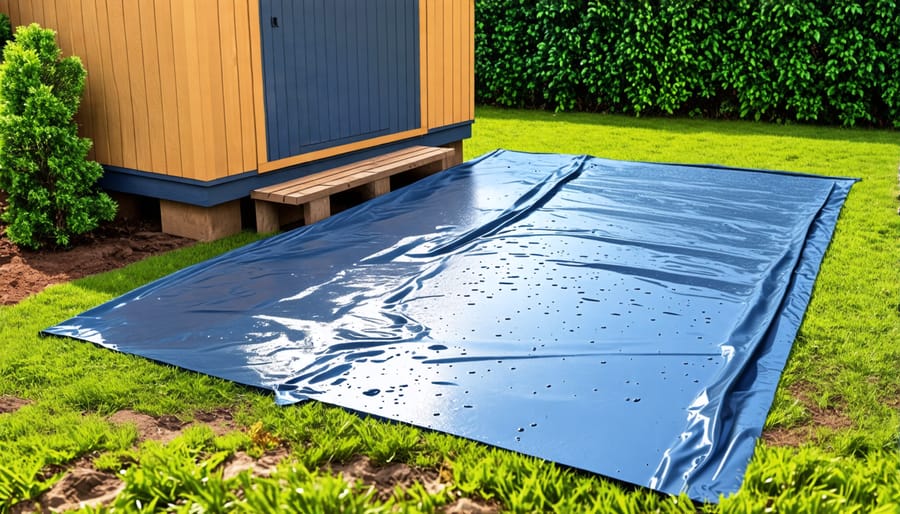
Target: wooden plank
(385, 160)
(305, 189)
(190, 122)
(231, 93)
(436, 66)
(71, 10)
(49, 18)
(136, 73)
(113, 116)
(11, 7)
(455, 104)
(97, 116)
(169, 86)
(243, 29)
(259, 109)
(37, 13)
(212, 104)
(424, 99)
(59, 10)
(313, 193)
(470, 70)
(149, 63)
(119, 74)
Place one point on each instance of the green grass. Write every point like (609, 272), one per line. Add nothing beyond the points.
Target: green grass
(844, 364)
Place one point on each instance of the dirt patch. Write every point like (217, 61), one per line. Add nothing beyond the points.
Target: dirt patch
(829, 417)
(469, 506)
(82, 486)
(221, 421)
(11, 404)
(166, 428)
(24, 272)
(261, 467)
(162, 429)
(385, 478)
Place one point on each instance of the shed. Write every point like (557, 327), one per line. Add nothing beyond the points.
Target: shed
(199, 102)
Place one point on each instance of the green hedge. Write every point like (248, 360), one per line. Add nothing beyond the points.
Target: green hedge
(835, 62)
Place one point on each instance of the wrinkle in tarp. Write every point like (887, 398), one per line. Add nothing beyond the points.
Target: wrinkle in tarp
(628, 319)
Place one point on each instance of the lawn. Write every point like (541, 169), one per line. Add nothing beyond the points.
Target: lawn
(831, 440)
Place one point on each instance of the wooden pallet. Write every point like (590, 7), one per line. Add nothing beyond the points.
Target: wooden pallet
(372, 176)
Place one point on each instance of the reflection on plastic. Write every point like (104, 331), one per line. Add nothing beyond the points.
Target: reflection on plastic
(628, 319)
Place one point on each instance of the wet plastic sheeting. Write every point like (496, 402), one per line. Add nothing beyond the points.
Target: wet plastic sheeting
(624, 318)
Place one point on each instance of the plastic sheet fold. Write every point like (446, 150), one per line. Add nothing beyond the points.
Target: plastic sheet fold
(629, 319)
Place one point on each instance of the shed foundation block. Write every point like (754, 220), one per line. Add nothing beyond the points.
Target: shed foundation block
(200, 223)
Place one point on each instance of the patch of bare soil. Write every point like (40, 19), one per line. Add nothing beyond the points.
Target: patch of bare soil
(166, 428)
(162, 429)
(82, 486)
(385, 478)
(261, 467)
(470, 506)
(11, 404)
(829, 417)
(25, 272)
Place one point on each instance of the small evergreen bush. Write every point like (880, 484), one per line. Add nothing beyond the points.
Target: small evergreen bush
(6, 32)
(52, 187)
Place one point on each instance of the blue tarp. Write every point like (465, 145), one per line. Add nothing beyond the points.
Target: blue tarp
(628, 319)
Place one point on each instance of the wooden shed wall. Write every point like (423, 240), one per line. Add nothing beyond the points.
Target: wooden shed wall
(175, 87)
(170, 85)
(449, 60)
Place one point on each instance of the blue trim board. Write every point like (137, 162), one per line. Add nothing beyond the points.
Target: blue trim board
(215, 192)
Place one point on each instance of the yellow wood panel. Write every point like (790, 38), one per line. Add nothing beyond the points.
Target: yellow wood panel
(123, 84)
(470, 69)
(423, 62)
(212, 99)
(231, 92)
(95, 125)
(435, 40)
(147, 61)
(245, 26)
(168, 83)
(74, 38)
(50, 19)
(187, 78)
(259, 106)
(138, 100)
(449, 41)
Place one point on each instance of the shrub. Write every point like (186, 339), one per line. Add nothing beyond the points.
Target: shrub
(52, 187)
(804, 60)
(6, 32)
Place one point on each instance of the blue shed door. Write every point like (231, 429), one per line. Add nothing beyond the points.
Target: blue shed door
(338, 71)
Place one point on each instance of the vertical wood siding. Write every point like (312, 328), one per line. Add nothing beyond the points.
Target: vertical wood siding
(450, 61)
(177, 87)
(170, 82)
